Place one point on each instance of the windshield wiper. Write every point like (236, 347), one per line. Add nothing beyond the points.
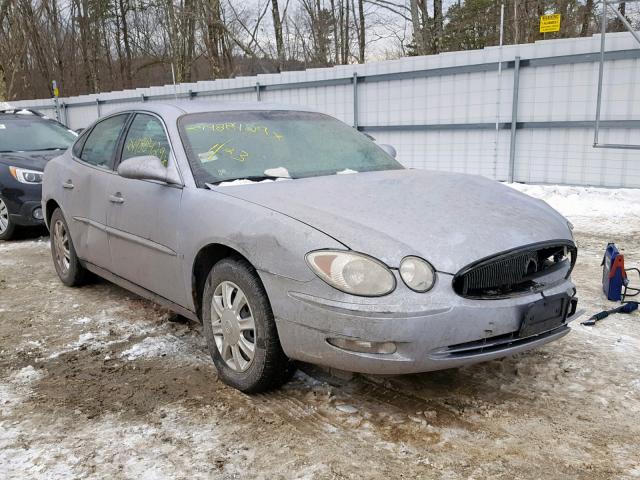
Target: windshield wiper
(252, 178)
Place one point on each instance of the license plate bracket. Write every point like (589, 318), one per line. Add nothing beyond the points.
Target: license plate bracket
(545, 315)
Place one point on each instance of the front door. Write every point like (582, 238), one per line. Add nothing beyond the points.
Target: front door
(85, 184)
(143, 217)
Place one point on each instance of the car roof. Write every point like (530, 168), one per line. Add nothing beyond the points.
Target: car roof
(179, 108)
(22, 113)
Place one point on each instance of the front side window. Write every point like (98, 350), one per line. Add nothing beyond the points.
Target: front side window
(100, 146)
(146, 136)
(24, 133)
(244, 144)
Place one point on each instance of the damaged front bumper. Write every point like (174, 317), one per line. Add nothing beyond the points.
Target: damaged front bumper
(430, 331)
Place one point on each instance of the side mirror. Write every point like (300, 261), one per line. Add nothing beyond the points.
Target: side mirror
(148, 167)
(389, 149)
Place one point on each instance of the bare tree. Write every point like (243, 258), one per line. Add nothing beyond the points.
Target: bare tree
(361, 32)
(94, 45)
(277, 29)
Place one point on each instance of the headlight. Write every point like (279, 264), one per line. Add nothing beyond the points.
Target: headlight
(352, 272)
(417, 274)
(26, 176)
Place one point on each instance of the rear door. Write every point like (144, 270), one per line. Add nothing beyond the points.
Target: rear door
(85, 183)
(144, 216)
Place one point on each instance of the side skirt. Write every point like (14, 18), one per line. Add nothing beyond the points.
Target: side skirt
(141, 291)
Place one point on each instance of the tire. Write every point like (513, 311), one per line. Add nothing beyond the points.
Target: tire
(7, 226)
(230, 333)
(65, 260)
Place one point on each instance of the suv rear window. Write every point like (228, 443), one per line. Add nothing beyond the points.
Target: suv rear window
(24, 134)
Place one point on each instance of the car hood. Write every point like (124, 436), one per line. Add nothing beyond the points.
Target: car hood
(449, 219)
(31, 160)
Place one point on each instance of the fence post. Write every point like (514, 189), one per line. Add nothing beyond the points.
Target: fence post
(65, 114)
(514, 118)
(258, 91)
(355, 100)
(98, 106)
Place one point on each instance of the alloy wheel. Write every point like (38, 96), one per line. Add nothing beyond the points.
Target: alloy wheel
(233, 326)
(4, 217)
(61, 246)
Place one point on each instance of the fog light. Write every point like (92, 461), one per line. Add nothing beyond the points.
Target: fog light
(37, 213)
(363, 346)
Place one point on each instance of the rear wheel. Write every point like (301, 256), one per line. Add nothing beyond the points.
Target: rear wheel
(65, 260)
(7, 226)
(240, 329)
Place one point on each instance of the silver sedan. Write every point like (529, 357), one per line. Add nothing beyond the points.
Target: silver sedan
(293, 236)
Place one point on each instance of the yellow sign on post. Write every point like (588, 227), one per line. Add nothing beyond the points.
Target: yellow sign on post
(550, 23)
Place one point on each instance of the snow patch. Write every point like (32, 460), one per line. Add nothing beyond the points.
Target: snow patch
(81, 320)
(277, 172)
(12, 246)
(26, 376)
(350, 409)
(244, 181)
(346, 171)
(153, 347)
(166, 346)
(597, 210)
(17, 388)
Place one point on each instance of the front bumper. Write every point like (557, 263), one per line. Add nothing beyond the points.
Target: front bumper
(431, 331)
(23, 201)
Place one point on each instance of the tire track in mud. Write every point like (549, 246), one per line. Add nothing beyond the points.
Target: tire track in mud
(382, 413)
(342, 442)
(303, 417)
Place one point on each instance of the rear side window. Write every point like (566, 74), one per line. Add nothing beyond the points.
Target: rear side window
(146, 136)
(100, 146)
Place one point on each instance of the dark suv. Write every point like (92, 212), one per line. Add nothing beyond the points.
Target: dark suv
(28, 140)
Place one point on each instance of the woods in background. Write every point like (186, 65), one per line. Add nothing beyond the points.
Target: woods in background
(92, 46)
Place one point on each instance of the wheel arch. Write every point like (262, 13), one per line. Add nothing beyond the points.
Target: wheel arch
(49, 208)
(203, 262)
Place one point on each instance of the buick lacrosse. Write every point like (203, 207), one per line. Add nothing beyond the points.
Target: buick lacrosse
(293, 236)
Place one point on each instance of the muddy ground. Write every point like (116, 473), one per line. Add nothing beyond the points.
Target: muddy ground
(96, 382)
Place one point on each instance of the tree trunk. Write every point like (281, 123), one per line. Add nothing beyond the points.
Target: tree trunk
(361, 36)
(417, 28)
(124, 9)
(437, 26)
(336, 32)
(277, 27)
(424, 22)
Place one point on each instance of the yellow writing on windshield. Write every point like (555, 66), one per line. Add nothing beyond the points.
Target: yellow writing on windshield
(224, 148)
(233, 126)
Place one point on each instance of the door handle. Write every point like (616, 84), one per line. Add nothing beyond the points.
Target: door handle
(68, 185)
(117, 198)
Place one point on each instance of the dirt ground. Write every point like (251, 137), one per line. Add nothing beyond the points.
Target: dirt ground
(96, 382)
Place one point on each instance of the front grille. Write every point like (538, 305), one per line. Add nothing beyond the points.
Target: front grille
(515, 272)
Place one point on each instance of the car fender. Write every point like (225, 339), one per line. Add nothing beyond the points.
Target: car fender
(272, 242)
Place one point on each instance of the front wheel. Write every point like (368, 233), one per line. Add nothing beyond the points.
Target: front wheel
(240, 329)
(65, 260)
(7, 226)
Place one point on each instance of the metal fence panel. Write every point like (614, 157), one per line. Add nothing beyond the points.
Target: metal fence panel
(454, 111)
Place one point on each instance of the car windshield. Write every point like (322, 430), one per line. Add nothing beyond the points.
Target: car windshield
(253, 144)
(33, 134)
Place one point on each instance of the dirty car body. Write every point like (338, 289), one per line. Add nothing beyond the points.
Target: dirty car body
(468, 269)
